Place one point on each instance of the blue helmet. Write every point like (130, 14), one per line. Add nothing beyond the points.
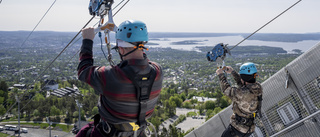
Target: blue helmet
(132, 31)
(248, 68)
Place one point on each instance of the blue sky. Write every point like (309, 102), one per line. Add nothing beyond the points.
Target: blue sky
(214, 16)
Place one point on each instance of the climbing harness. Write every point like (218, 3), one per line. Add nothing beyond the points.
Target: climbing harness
(143, 84)
(107, 129)
(148, 132)
(259, 106)
(245, 121)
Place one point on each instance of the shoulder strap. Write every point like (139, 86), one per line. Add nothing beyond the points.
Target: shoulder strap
(259, 106)
(89, 131)
(143, 84)
(96, 119)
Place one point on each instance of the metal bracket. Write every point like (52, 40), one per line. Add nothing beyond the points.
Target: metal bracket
(287, 79)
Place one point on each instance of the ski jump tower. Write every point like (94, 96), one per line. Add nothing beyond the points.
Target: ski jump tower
(290, 106)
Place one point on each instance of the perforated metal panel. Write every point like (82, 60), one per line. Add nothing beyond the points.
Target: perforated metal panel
(287, 112)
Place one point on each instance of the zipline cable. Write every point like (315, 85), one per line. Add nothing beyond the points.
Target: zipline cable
(73, 43)
(64, 48)
(37, 23)
(30, 35)
(54, 61)
(9, 109)
(120, 8)
(97, 24)
(118, 4)
(74, 38)
(58, 56)
(266, 24)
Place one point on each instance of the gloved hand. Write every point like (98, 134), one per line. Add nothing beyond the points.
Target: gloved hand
(88, 33)
(219, 71)
(228, 69)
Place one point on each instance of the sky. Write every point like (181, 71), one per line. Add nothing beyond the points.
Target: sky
(210, 16)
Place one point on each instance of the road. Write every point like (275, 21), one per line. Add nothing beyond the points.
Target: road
(40, 133)
(7, 123)
(33, 131)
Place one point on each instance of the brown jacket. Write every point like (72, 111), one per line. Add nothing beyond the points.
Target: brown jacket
(244, 99)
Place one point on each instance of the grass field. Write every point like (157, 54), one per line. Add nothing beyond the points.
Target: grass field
(65, 128)
(3, 135)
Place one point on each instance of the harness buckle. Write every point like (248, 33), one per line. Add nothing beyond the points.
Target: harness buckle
(135, 127)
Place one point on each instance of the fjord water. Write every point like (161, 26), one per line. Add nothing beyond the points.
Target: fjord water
(231, 40)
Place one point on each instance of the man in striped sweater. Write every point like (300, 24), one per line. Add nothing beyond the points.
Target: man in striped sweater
(128, 91)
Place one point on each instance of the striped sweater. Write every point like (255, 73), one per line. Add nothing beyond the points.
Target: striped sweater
(117, 103)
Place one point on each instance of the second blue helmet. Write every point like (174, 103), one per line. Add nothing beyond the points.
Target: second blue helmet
(248, 68)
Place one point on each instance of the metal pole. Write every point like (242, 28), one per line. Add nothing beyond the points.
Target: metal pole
(79, 117)
(50, 129)
(17, 98)
(50, 123)
(79, 120)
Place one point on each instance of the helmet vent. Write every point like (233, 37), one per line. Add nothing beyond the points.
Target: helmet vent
(129, 29)
(129, 35)
(141, 28)
(124, 27)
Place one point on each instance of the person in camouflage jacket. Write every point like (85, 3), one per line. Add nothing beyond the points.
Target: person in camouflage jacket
(246, 99)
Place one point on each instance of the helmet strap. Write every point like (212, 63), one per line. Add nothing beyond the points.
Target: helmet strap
(128, 52)
(138, 45)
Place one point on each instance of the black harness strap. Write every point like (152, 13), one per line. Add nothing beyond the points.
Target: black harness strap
(259, 106)
(96, 122)
(89, 131)
(143, 84)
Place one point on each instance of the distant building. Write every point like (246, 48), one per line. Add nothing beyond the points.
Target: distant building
(203, 99)
(10, 88)
(65, 92)
(19, 86)
(46, 76)
(51, 85)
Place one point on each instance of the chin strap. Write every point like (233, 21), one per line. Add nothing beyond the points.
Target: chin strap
(140, 47)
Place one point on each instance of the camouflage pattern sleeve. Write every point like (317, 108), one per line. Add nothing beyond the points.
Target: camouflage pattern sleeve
(225, 87)
(237, 78)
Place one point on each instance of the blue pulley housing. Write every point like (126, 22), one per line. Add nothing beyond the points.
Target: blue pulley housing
(219, 50)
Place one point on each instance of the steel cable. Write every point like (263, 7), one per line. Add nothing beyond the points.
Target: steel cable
(266, 24)
(38, 23)
(70, 43)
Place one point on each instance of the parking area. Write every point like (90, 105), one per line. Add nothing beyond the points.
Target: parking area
(187, 124)
(190, 123)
